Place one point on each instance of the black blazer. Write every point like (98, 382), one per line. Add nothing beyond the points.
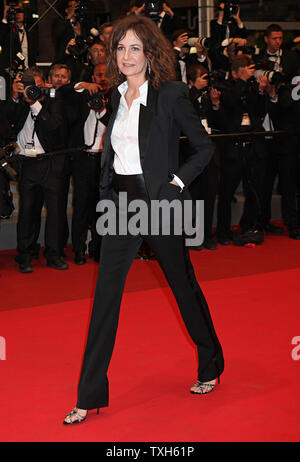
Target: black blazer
(10, 38)
(168, 114)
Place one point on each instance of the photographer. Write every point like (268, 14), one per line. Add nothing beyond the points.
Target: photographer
(6, 136)
(184, 59)
(228, 25)
(161, 13)
(83, 56)
(88, 116)
(15, 38)
(282, 156)
(205, 187)
(39, 128)
(243, 105)
(279, 65)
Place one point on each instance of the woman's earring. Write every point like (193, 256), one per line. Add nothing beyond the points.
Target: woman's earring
(149, 68)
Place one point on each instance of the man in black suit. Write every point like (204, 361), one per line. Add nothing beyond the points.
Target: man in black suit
(243, 107)
(284, 61)
(14, 39)
(226, 27)
(39, 128)
(87, 114)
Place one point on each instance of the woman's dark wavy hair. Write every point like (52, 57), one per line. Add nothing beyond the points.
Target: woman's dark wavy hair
(156, 47)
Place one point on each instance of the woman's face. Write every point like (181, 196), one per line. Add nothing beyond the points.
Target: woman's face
(131, 60)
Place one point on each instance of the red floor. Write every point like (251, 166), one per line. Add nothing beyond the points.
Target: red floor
(254, 295)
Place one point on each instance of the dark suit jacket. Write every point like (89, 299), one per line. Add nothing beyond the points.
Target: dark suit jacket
(7, 37)
(168, 114)
(289, 62)
(49, 122)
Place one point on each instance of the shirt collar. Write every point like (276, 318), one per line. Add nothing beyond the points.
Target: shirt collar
(142, 99)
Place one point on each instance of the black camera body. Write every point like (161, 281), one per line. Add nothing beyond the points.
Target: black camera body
(81, 11)
(96, 101)
(217, 79)
(153, 9)
(81, 47)
(5, 153)
(267, 68)
(33, 92)
(230, 9)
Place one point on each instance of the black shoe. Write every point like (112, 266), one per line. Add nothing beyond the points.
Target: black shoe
(80, 258)
(294, 234)
(272, 229)
(25, 267)
(224, 240)
(57, 263)
(209, 244)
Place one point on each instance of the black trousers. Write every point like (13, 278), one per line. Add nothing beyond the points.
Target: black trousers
(117, 255)
(246, 163)
(84, 168)
(40, 182)
(281, 160)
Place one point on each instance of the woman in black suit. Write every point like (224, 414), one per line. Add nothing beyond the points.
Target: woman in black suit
(141, 157)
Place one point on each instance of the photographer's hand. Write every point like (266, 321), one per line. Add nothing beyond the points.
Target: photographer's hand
(140, 9)
(167, 9)
(17, 87)
(215, 96)
(201, 82)
(91, 87)
(221, 13)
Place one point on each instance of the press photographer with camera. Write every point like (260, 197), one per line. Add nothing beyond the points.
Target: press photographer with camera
(204, 97)
(243, 105)
(15, 38)
(8, 169)
(39, 130)
(88, 114)
(161, 13)
(228, 25)
(279, 65)
(182, 44)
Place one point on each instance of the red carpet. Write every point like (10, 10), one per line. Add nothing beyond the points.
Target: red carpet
(254, 297)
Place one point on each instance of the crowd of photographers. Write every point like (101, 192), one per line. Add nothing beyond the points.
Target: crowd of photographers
(53, 127)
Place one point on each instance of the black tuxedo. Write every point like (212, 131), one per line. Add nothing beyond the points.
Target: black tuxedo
(241, 159)
(289, 61)
(84, 167)
(41, 179)
(168, 112)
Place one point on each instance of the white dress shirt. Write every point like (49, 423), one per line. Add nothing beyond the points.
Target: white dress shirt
(125, 134)
(25, 135)
(89, 131)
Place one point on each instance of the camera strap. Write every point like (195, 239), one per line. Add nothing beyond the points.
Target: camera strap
(95, 131)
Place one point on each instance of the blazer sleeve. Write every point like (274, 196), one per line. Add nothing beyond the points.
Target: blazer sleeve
(202, 148)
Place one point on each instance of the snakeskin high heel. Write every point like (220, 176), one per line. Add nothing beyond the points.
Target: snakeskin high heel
(78, 418)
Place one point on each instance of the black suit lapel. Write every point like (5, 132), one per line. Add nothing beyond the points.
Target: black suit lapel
(146, 115)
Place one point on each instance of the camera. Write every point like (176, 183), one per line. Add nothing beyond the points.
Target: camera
(80, 49)
(267, 68)
(33, 92)
(17, 66)
(96, 101)
(81, 10)
(217, 79)
(205, 42)
(11, 14)
(153, 9)
(6, 152)
(230, 9)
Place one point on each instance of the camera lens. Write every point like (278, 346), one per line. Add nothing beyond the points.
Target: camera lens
(32, 92)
